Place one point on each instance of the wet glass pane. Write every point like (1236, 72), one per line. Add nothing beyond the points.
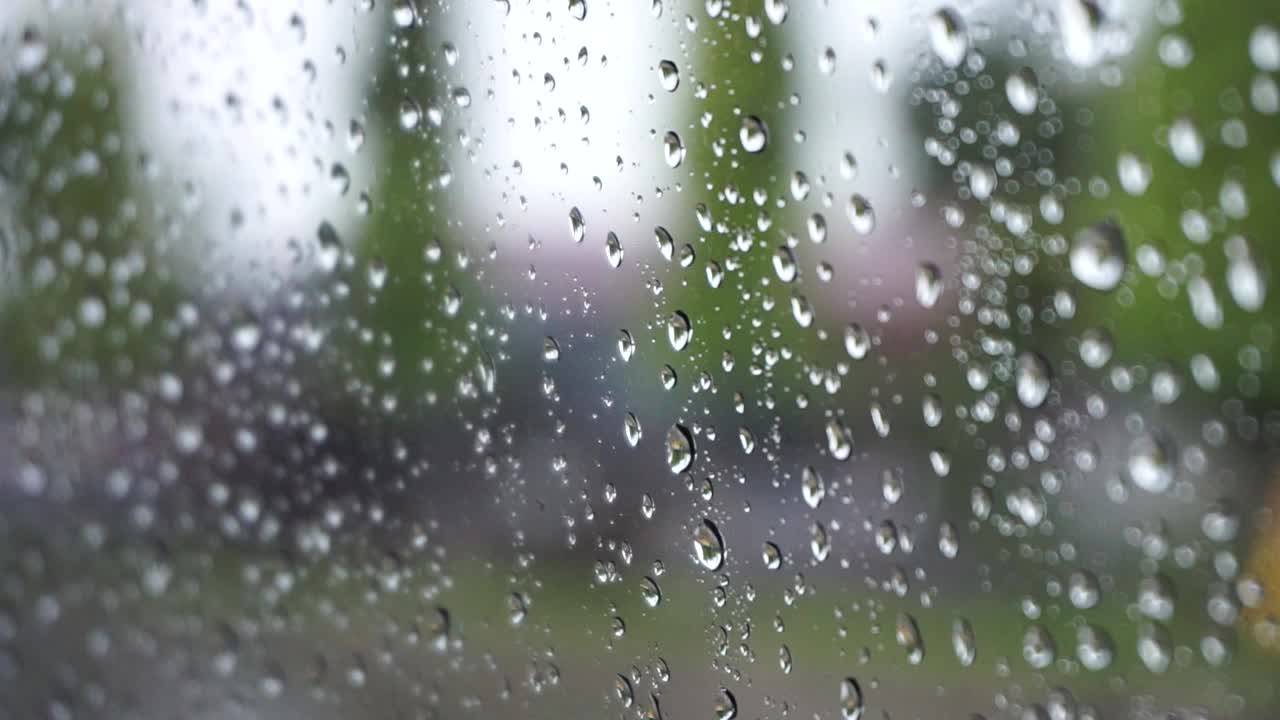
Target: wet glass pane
(639, 359)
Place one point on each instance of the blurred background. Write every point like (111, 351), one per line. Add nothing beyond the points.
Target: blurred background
(638, 359)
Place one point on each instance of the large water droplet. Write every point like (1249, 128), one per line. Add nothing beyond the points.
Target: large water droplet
(1038, 647)
(850, 699)
(631, 429)
(1151, 463)
(1032, 379)
(772, 556)
(725, 705)
(650, 592)
(963, 641)
(679, 330)
(948, 36)
(672, 149)
(668, 75)
(1099, 256)
(1023, 90)
(680, 449)
(754, 134)
(856, 341)
(929, 284)
(839, 439)
(812, 488)
(861, 215)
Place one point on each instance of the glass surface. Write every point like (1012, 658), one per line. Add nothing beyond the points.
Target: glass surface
(639, 359)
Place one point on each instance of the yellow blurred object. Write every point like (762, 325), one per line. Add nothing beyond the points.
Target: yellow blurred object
(1262, 622)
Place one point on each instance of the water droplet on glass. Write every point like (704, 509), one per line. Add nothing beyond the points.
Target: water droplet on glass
(754, 134)
(1038, 648)
(631, 429)
(819, 541)
(1154, 647)
(666, 245)
(626, 345)
(963, 641)
(1083, 590)
(613, 250)
(907, 634)
(1023, 90)
(1186, 143)
(861, 215)
(850, 699)
(550, 349)
(1134, 173)
(680, 449)
(856, 341)
(784, 264)
(1151, 463)
(772, 556)
(1032, 379)
(839, 439)
(668, 75)
(1094, 648)
(948, 37)
(1079, 22)
(672, 149)
(725, 705)
(929, 284)
(679, 330)
(650, 592)
(1098, 256)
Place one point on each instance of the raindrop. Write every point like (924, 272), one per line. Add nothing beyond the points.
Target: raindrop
(856, 341)
(680, 449)
(784, 264)
(668, 75)
(1083, 590)
(963, 641)
(839, 439)
(928, 284)
(631, 429)
(1032, 379)
(772, 556)
(672, 149)
(1079, 22)
(666, 245)
(754, 134)
(1153, 647)
(650, 592)
(1098, 256)
(725, 705)
(1151, 463)
(626, 345)
(819, 541)
(1134, 173)
(1094, 647)
(1186, 143)
(550, 349)
(679, 330)
(850, 699)
(613, 250)
(861, 215)
(1023, 90)
(1038, 648)
(812, 488)
(948, 37)
(907, 633)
